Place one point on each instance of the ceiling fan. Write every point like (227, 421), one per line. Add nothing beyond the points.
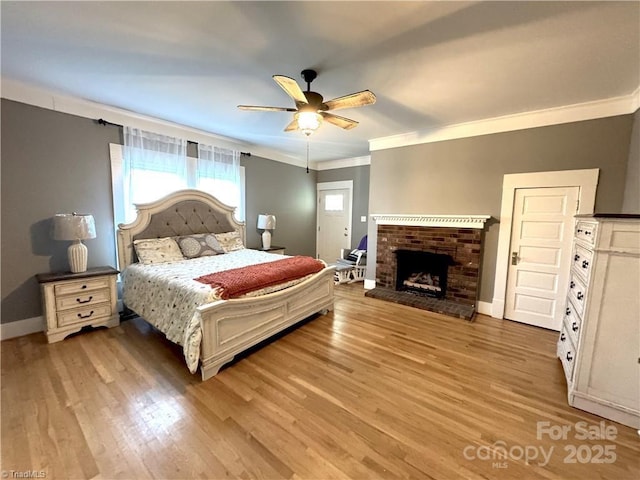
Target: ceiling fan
(311, 109)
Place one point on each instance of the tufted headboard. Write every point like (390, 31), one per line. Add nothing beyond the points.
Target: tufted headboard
(181, 213)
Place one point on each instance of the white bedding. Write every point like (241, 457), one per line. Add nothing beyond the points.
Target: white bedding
(167, 296)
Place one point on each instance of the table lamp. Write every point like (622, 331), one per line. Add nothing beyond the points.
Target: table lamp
(267, 223)
(75, 227)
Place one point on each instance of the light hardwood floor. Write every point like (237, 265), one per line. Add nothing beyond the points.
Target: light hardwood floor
(372, 390)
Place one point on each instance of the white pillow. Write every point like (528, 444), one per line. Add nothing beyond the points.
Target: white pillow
(157, 250)
(230, 241)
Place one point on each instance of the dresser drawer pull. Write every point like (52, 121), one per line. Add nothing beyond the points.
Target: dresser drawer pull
(572, 284)
(569, 357)
(580, 230)
(563, 337)
(83, 287)
(579, 296)
(576, 257)
(587, 232)
(585, 264)
(85, 316)
(85, 301)
(567, 311)
(574, 326)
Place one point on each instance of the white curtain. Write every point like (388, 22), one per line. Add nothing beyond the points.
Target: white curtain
(154, 165)
(218, 173)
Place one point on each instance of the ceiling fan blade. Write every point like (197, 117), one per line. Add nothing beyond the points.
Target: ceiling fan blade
(339, 121)
(292, 126)
(266, 109)
(292, 88)
(359, 99)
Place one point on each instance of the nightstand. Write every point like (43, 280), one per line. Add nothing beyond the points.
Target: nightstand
(273, 249)
(74, 300)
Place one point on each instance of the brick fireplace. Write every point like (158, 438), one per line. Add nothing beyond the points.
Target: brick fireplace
(459, 237)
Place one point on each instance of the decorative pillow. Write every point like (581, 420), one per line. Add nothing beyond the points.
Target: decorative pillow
(230, 241)
(157, 250)
(199, 245)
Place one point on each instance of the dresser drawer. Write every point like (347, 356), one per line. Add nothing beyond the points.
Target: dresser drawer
(571, 322)
(566, 353)
(84, 314)
(80, 286)
(586, 231)
(577, 293)
(84, 299)
(582, 259)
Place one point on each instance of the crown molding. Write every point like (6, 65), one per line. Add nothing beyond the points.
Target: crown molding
(455, 221)
(59, 102)
(539, 118)
(343, 163)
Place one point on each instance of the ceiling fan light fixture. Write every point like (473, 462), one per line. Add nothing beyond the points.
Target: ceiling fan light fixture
(308, 122)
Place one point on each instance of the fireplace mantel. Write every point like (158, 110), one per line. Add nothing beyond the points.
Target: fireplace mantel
(454, 221)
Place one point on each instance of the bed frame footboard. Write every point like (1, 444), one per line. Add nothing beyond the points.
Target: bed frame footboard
(231, 326)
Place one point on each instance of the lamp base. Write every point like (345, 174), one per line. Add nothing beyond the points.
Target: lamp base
(78, 255)
(266, 239)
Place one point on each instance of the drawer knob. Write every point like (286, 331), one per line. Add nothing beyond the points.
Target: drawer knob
(569, 357)
(576, 257)
(587, 232)
(567, 311)
(83, 287)
(585, 264)
(572, 284)
(580, 230)
(574, 326)
(579, 296)
(85, 316)
(85, 301)
(563, 337)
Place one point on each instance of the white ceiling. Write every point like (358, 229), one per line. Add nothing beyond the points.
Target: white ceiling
(430, 64)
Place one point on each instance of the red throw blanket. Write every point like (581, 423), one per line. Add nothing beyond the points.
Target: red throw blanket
(239, 281)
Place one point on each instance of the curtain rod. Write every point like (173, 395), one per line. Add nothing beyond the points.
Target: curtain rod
(103, 122)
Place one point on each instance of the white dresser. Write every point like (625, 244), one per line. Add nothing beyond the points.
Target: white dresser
(599, 343)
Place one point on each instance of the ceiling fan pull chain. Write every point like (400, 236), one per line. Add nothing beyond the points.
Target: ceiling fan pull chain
(307, 154)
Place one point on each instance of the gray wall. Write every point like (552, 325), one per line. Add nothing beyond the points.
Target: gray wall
(54, 162)
(465, 176)
(631, 202)
(360, 177)
(287, 192)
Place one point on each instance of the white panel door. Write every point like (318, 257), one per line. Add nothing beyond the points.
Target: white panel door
(334, 223)
(541, 237)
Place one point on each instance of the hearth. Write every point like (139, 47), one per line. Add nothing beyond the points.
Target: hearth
(422, 272)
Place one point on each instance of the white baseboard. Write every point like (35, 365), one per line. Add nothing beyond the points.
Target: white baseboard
(484, 308)
(21, 327)
(369, 284)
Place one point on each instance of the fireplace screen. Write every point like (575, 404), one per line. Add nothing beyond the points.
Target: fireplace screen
(422, 272)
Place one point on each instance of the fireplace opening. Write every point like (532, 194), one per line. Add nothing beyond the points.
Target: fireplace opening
(422, 272)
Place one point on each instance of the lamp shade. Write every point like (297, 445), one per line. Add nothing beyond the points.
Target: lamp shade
(73, 226)
(267, 222)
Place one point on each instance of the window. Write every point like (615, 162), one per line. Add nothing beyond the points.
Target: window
(334, 202)
(148, 181)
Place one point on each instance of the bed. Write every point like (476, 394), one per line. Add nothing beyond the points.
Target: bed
(216, 329)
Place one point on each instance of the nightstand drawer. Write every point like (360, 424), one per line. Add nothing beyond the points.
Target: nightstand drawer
(83, 299)
(84, 314)
(79, 286)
